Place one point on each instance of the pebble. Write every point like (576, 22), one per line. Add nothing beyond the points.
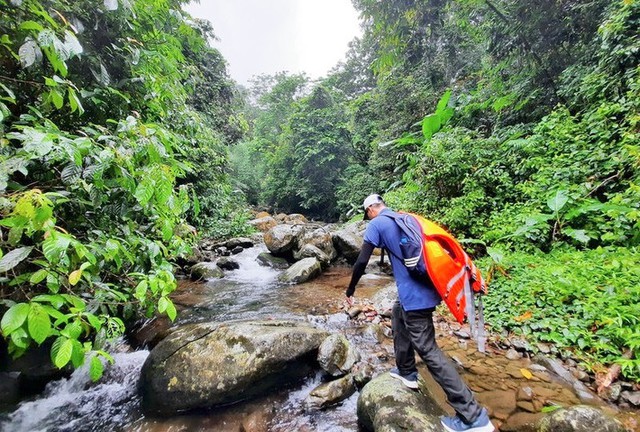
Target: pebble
(512, 354)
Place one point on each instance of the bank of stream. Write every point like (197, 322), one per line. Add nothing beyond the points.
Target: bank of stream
(515, 390)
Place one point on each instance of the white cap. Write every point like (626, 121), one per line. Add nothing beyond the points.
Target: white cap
(371, 200)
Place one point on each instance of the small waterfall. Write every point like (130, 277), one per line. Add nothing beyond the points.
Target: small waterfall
(75, 403)
(251, 271)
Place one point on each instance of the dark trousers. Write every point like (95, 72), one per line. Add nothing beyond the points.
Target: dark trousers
(413, 331)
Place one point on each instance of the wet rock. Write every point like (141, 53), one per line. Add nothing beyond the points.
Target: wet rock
(362, 373)
(354, 311)
(374, 333)
(521, 422)
(520, 344)
(268, 260)
(543, 348)
(227, 264)
(613, 392)
(206, 270)
(580, 418)
(525, 394)
(242, 242)
(236, 250)
(337, 355)
(301, 271)
(386, 405)
(257, 421)
(330, 393)
(209, 364)
(321, 239)
(501, 403)
(262, 214)
(581, 375)
(282, 238)
(9, 388)
(348, 241)
(632, 398)
(384, 299)
(311, 251)
(557, 368)
(263, 224)
(512, 354)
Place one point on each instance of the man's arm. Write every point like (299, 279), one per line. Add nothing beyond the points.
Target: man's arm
(359, 267)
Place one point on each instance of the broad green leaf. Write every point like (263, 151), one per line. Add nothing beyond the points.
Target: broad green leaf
(141, 290)
(580, 235)
(56, 98)
(74, 102)
(72, 330)
(430, 125)
(443, 102)
(38, 276)
(14, 258)
(76, 301)
(61, 351)
(20, 338)
(162, 304)
(55, 246)
(171, 310)
(96, 369)
(14, 318)
(77, 354)
(38, 323)
(31, 25)
(558, 201)
(95, 322)
(144, 192)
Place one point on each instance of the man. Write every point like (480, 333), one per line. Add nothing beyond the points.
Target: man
(412, 323)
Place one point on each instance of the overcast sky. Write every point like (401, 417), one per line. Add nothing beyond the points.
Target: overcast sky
(269, 36)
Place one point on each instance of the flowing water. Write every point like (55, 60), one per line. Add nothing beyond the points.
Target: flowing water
(253, 292)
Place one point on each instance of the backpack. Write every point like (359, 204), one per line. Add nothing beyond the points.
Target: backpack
(433, 256)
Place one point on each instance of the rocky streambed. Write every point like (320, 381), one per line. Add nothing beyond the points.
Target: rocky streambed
(255, 350)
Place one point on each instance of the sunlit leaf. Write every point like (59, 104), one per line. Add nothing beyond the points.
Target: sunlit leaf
(14, 318)
(38, 323)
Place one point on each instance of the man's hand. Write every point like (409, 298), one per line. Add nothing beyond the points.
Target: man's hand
(348, 302)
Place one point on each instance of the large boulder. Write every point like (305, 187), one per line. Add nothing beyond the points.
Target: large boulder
(210, 364)
(295, 219)
(386, 405)
(321, 238)
(302, 271)
(348, 240)
(282, 238)
(337, 355)
(263, 224)
(579, 418)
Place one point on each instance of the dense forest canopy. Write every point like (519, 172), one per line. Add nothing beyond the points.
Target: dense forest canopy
(512, 123)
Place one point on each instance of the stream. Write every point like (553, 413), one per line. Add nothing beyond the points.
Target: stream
(253, 292)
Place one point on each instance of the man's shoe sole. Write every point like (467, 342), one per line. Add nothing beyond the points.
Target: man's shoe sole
(486, 428)
(413, 385)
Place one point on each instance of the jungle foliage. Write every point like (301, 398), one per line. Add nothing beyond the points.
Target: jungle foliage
(114, 121)
(513, 123)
